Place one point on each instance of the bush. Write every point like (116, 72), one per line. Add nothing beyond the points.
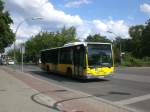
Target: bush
(131, 61)
(146, 61)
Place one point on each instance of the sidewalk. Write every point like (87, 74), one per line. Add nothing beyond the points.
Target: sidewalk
(15, 96)
(21, 92)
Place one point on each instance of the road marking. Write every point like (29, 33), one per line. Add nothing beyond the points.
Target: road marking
(133, 100)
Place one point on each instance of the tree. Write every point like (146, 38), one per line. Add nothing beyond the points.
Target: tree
(43, 40)
(145, 40)
(46, 40)
(96, 38)
(121, 45)
(66, 35)
(136, 36)
(125, 44)
(6, 35)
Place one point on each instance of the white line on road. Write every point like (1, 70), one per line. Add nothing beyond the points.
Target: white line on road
(133, 100)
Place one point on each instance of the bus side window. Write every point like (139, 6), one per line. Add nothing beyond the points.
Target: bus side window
(54, 56)
(65, 56)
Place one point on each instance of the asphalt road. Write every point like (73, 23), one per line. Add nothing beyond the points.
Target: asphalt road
(128, 87)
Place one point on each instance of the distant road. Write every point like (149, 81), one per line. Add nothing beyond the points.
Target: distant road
(134, 70)
(130, 86)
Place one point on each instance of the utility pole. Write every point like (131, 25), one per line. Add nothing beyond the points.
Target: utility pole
(32, 18)
(120, 47)
(22, 53)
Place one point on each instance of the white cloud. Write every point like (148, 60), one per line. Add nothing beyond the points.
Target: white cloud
(99, 25)
(25, 31)
(145, 8)
(22, 9)
(55, 19)
(44, 9)
(119, 28)
(76, 3)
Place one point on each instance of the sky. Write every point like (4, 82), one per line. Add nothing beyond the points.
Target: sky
(87, 16)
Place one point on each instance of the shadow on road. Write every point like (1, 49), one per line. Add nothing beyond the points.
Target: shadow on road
(35, 70)
(119, 93)
(63, 78)
(113, 93)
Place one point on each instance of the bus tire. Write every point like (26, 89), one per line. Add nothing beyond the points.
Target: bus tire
(47, 68)
(69, 72)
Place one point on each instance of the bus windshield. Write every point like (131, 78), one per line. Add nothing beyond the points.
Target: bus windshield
(99, 55)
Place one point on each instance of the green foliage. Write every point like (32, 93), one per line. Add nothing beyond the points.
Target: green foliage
(97, 38)
(130, 60)
(145, 41)
(66, 35)
(121, 45)
(46, 40)
(136, 35)
(138, 47)
(140, 35)
(6, 35)
(127, 45)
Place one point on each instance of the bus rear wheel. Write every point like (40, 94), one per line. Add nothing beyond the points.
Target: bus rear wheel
(69, 72)
(47, 68)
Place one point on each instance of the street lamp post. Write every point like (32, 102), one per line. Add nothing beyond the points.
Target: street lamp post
(22, 53)
(120, 49)
(33, 18)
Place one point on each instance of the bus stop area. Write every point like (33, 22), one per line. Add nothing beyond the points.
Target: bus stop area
(21, 92)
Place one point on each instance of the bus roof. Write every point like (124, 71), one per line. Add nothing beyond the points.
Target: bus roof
(76, 44)
(83, 43)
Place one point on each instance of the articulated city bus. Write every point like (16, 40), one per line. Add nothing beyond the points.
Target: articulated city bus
(80, 59)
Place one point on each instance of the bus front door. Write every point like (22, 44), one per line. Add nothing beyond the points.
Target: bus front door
(78, 59)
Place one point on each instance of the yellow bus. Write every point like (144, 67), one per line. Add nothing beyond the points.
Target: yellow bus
(80, 59)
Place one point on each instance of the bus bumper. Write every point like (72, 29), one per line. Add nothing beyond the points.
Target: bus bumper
(90, 76)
